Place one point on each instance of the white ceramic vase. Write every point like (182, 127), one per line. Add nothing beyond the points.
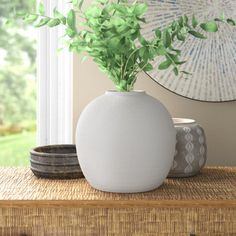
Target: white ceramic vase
(125, 142)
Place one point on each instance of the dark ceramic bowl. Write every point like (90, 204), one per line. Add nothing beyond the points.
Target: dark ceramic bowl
(56, 162)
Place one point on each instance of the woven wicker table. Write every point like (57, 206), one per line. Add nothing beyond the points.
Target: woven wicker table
(201, 205)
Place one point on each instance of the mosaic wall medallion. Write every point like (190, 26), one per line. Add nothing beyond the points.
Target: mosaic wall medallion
(212, 61)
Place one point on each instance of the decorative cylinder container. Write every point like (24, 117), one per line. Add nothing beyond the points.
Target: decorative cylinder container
(191, 149)
(125, 142)
(55, 162)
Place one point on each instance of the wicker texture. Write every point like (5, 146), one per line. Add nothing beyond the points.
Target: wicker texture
(128, 222)
(114, 218)
(212, 184)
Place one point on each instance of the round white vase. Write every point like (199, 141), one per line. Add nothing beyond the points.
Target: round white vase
(125, 142)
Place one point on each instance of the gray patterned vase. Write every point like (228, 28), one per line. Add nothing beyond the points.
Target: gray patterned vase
(191, 148)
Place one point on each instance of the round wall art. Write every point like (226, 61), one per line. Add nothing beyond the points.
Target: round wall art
(212, 62)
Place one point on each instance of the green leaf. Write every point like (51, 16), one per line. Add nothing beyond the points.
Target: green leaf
(142, 40)
(197, 34)
(148, 67)
(41, 8)
(71, 19)
(75, 2)
(174, 57)
(140, 9)
(185, 72)
(146, 55)
(222, 17)
(161, 50)
(218, 19)
(164, 65)
(175, 50)
(185, 19)
(142, 19)
(210, 26)
(142, 51)
(42, 22)
(58, 15)
(70, 32)
(30, 18)
(21, 13)
(174, 34)
(84, 59)
(231, 22)
(114, 43)
(194, 21)
(181, 21)
(166, 38)
(180, 62)
(180, 36)
(152, 53)
(120, 8)
(158, 33)
(7, 23)
(53, 22)
(176, 71)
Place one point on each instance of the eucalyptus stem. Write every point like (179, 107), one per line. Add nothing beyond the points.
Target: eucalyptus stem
(123, 72)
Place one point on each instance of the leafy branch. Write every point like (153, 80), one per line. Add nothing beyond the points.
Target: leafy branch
(113, 38)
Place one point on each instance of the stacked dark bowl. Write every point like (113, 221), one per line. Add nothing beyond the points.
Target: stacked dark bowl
(56, 162)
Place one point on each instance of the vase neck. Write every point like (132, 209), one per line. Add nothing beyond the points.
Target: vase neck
(133, 93)
(183, 121)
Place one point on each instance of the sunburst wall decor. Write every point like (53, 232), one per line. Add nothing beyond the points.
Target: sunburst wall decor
(212, 62)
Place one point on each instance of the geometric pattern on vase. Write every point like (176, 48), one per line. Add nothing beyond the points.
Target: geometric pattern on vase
(212, 62)
(201, 140)
(191, 149)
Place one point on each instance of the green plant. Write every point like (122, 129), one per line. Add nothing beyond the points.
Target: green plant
(112, 37)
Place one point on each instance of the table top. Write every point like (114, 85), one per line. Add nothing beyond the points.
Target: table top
(214, 187)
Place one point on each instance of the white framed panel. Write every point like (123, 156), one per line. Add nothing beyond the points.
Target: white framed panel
(54, 84)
